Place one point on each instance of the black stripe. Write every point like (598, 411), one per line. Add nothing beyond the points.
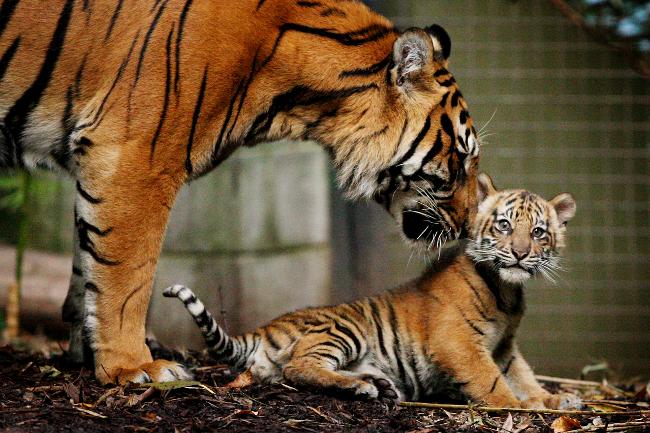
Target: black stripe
(6, 11)
(260, 3)
(392, 320)
(86, 244)
(494, 385)
(179, 39)
(454, 98)
(92, 287)
(416, 142)
(362, 36)
(326, 355)
(333, 11)
(298, 96)
(506, 369)
(244, 93)
(470, 323)
(308, 4)
(370, 70)
(443, 101)
(129, 296)
(120, 71)
(168, 78)
(269, 337)
(195, 119)
(440, 72)
(231, 105)
(350, 334)
(376, 317)
(448, 128)
(435, 150)
(5, 60)
(89, 198)
(17, 115)
(114, 17)
(147, 37)
(76, 271)
(447, 82)
(61, 153)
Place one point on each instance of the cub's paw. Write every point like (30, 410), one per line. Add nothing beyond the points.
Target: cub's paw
(365, 390)
(155, 371)
(563, 400)
(386, 389)
(533, 403)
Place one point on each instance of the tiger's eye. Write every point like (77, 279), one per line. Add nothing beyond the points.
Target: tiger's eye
(538, 232)
(503, 225)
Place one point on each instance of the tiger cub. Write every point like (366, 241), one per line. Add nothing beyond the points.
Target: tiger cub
(452, 327)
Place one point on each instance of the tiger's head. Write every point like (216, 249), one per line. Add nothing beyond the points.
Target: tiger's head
(517, 233)
(429, 186)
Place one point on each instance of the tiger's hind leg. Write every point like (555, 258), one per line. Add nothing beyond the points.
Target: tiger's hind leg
(317, 365)
(79, 350)
(121, 215)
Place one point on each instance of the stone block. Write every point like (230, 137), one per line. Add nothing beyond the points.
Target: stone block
(271, 196)
(255, 288)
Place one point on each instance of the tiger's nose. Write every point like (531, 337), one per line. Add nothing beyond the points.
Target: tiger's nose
(520, 252)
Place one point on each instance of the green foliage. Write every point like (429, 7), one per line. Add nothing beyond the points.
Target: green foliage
(627, 20)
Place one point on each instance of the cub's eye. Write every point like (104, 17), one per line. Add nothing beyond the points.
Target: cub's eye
(503, 225)
(538, 232)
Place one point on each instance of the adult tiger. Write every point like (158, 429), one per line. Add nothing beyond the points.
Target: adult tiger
(135, 98)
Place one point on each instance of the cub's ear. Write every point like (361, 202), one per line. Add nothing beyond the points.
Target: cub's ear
(565, 207)
(485, 187)
(441, 42)
(412, 52)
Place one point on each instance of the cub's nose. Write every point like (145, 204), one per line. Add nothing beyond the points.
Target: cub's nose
(520, 253)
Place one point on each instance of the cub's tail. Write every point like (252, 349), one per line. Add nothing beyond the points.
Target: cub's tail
(235, 351)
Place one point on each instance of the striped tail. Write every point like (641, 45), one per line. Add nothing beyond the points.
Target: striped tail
(235, 351)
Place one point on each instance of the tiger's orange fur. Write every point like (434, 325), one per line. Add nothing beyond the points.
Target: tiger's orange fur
(453, 327)
(136, 97)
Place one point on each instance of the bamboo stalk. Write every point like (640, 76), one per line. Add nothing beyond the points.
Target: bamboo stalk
(518, 409)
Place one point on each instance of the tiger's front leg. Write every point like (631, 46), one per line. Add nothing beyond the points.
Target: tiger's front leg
(120, 217)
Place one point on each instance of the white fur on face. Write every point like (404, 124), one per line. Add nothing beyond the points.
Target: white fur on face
(514, 275)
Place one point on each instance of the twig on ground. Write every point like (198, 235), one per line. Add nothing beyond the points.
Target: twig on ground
(518, 410)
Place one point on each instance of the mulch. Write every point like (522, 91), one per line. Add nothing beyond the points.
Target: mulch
(43, 392)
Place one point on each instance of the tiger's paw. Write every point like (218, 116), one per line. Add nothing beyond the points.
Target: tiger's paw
(159, 370)
(563, 401)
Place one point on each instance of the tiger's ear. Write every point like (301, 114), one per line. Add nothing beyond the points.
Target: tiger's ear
(485, 187)
(565, 207)
(412, 52)
(441, 42)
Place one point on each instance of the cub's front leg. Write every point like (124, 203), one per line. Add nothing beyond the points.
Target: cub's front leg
(522, 380)
(469, 363)
(120, 217)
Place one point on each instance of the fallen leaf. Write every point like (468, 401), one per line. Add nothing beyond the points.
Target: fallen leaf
(49, 371)
(508, 425)
(72, 392)
(564, 424)
(598, 422)
(523, 423)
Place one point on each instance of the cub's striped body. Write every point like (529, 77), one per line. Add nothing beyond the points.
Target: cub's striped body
(134, 98)
(453, 327)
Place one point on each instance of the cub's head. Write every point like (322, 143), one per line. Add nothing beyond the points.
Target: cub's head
(518, 233)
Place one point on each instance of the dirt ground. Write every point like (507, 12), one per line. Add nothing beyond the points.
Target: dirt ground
(40, 392)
